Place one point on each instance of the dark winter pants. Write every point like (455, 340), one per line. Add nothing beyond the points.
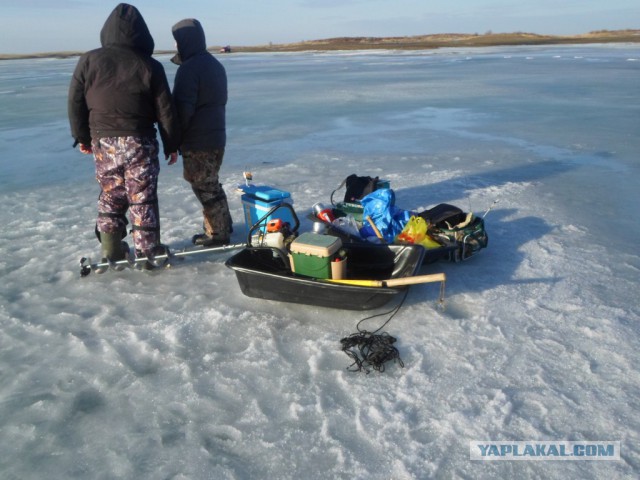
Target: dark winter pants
(201, 170)
(127, 170)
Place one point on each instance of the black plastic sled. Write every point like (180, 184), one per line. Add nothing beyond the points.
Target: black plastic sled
(264, 272)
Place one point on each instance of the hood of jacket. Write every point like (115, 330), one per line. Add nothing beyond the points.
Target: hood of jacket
(189, 36)
(125, 27)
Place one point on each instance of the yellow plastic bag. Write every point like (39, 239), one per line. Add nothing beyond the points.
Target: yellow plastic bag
(415, 231)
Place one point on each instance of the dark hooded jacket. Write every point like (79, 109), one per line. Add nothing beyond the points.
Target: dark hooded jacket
(120, 90)
(200, 89)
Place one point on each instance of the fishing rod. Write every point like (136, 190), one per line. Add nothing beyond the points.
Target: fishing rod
(491, 207)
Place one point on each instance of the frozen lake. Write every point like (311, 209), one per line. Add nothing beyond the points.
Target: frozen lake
(177, 375)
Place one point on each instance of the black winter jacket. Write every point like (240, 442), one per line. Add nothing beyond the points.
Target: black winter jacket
(120, 90)
(200, 89)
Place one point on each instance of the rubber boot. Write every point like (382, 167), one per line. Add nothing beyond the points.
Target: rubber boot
(113, 248)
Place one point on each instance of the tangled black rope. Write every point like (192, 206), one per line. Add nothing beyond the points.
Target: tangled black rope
(372, 349)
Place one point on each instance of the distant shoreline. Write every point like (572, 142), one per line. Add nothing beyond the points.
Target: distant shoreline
(421, 42)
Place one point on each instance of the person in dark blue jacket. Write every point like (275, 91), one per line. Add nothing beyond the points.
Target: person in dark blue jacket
(200, 94)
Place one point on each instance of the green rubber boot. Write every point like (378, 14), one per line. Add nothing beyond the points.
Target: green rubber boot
(113, 248)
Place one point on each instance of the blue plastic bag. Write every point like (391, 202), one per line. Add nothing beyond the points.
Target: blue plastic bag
(380, 206)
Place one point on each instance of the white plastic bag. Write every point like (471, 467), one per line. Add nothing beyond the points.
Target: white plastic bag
(348, 225)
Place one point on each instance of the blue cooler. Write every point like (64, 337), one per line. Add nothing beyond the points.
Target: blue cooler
(257, 200)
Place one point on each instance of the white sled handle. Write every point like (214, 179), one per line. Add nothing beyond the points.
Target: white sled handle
(393, 282)
(397, 282)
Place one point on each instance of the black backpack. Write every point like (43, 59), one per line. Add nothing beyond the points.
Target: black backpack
(357, 187)
(443, 213)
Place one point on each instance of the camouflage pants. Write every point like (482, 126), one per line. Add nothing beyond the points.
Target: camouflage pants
(127, 170)
(201, 170)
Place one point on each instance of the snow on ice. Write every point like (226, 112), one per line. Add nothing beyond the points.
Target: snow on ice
(178, 375)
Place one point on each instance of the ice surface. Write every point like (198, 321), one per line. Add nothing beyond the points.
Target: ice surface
(178, 375)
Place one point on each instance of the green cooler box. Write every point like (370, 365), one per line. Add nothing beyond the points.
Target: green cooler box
(312, 253)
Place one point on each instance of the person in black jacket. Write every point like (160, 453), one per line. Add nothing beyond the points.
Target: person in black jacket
(117, 94)
(200, 93)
